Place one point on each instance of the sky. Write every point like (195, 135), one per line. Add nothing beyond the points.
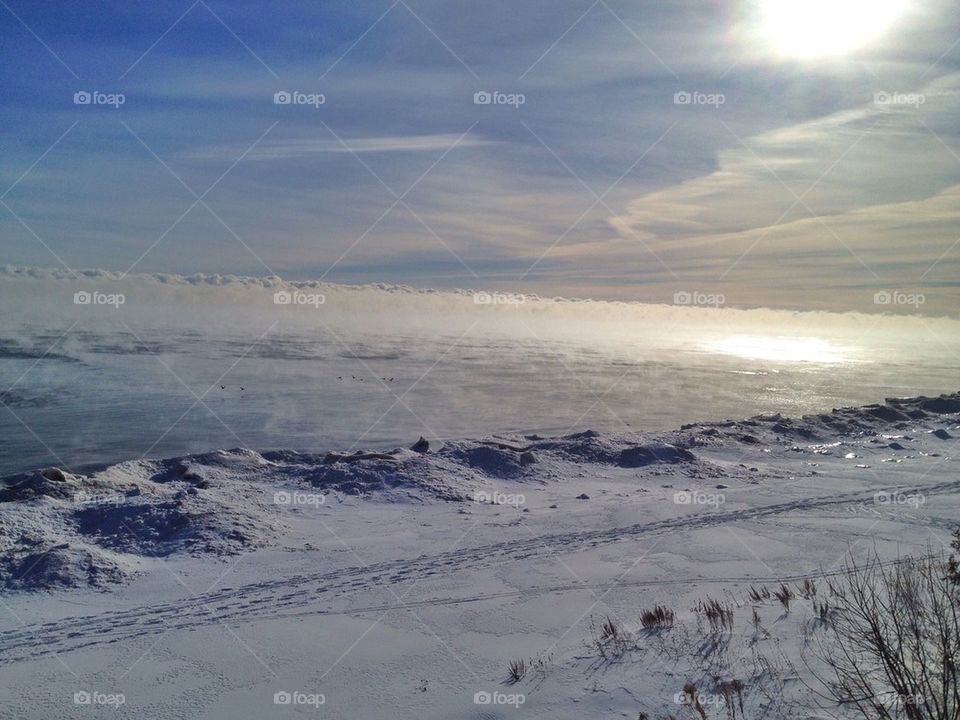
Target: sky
(765, 153)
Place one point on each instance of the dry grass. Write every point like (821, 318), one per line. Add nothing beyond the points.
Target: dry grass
(517, 670)
(732, 691)
(808, 590)
(608, 639)
(657, 618)
(719, 615)
(692, 695)
(784, 594)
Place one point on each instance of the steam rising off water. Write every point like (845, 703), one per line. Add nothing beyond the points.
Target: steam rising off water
(191, 364)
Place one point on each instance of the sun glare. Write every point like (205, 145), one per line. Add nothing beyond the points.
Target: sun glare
(780, 349)
(821, 28)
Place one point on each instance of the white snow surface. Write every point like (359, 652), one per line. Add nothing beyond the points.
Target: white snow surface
(400, 584)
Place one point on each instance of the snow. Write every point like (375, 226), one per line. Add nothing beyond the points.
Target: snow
(396, 583)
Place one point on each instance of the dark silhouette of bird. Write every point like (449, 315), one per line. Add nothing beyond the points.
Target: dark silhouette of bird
(223, 387)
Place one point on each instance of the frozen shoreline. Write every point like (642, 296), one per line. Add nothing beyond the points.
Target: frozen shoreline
(165, 498)
(441, 566)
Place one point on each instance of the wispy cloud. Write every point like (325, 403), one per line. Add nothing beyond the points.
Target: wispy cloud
(798, 190)
(291, 149)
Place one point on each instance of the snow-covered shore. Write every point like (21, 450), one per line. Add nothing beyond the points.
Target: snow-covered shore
(401, 583)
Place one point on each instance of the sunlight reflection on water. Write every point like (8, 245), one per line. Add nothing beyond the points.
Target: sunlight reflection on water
(781, 349)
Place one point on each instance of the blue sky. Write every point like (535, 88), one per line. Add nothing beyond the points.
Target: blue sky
(785, 182)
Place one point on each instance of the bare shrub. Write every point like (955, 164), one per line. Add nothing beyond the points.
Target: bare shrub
(541, 663)
(835, 590)
(896, 641)
(953, 565)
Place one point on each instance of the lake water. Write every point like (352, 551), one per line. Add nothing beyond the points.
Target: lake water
(172, 372)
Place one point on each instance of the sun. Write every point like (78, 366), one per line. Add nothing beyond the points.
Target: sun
(810, 29)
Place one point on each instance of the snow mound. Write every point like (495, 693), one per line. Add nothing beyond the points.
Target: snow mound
(60, 566)
(498, 460)
(627, 451)
(652, 453)
(397, 476)
(60, 529)
(156, 529)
